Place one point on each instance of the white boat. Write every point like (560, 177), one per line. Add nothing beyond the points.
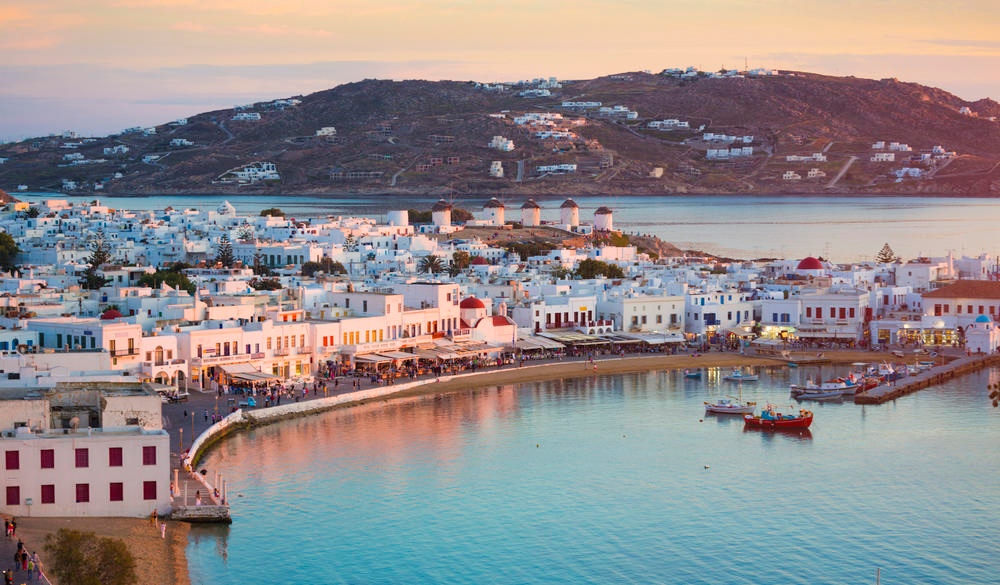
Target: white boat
(730, 406)
(839, 386)
(738, 375)
(820, 395)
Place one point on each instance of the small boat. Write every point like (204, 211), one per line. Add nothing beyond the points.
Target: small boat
(729, 406)
(771, 419)
(835, 387)
(820, 395)
(738, 375)
(694, 374)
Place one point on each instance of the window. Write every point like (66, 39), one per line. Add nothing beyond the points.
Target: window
(114, 456)
(852, 312)
(82, 493)
(116, 491)
(48, 458)
(48, 493)
(809, 312)
(13, 459)
(13, 495)
(82, 457)
(149, 455)
(149, 490)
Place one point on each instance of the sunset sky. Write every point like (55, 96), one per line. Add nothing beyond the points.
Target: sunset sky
(100, 66)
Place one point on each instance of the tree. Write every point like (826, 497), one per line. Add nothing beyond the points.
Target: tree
(430, 264)
(260, 268)
(224, 255)
(459, 262)
(32, 212)
(590, 268)
(83, 558)
(326, 265)
(172, 277)
(886, 255)
(244, 233)
(265, 283)
(8, 251)
(100, 253)
(272, 211)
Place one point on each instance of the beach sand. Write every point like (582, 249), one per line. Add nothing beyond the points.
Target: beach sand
(159, 561)
(163, 561)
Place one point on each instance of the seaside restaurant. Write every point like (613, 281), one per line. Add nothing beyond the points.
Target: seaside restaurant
(930, 331)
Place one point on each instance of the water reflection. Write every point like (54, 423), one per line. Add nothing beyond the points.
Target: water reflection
(772, 435)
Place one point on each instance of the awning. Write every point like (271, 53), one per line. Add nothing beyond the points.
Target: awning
(399, 355)
(657, 338)
(372, 358)
(245, 372)
(574, 338)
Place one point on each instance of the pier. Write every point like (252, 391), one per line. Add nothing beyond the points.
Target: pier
(932, 377)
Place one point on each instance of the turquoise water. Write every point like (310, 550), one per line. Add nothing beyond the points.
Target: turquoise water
(618, 479)
(845, 229)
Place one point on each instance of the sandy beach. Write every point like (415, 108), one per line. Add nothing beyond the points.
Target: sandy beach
(162, 561)
(159, 561)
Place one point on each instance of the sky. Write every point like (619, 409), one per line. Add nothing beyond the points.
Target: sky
(100, 66)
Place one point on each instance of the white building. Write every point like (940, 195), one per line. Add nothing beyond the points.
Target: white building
(77, 451)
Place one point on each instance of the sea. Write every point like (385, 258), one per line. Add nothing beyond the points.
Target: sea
(615, 479)
(841, 228)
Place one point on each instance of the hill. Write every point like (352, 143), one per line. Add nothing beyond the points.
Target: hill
(673, 132)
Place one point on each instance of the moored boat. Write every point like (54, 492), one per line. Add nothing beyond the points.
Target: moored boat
(835, 387)
(738, 375)
(729, 406)
(693, 374)
(771, 419)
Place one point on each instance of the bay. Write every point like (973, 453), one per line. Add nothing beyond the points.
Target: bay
(614, 479)
(843, 229)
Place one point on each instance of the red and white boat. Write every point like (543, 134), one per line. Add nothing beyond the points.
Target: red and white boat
(771, 419)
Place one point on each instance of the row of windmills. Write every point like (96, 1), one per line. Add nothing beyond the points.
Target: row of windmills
(531, 215)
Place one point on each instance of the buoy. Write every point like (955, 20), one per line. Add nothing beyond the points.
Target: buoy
(701, 420)
(536, 445)
(706, 467)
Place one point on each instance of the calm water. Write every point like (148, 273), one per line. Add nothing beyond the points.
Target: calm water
(604, 480)
(845, 229)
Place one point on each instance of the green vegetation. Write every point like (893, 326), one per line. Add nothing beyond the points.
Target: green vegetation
(265, 284)
(272, 212)
(100, 253)
(430, 264)
(83, 558)
(459, 261)
(886, 255)
(173, 276)
(326, 265)
(224, 256)
(527, 249)
(593, 268)
(8, 251)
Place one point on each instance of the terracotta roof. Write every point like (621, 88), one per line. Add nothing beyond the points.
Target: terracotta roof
(493, 203)
(602, 211)
(441, 205)
(967, 289)
(569, 204)
(530, 204)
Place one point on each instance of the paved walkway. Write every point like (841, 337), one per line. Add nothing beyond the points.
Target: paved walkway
(8, 546)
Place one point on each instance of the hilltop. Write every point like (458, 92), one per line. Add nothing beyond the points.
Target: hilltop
(634, 133)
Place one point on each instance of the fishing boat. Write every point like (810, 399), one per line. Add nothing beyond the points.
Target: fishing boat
(820, 395)
(730, 406)
(771, 419)
(693, 374)
(835, 387)
(738, 375)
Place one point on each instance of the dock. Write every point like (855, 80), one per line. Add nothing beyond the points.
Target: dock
(932, 377)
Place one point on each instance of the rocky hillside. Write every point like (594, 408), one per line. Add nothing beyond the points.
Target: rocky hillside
(431, 138)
